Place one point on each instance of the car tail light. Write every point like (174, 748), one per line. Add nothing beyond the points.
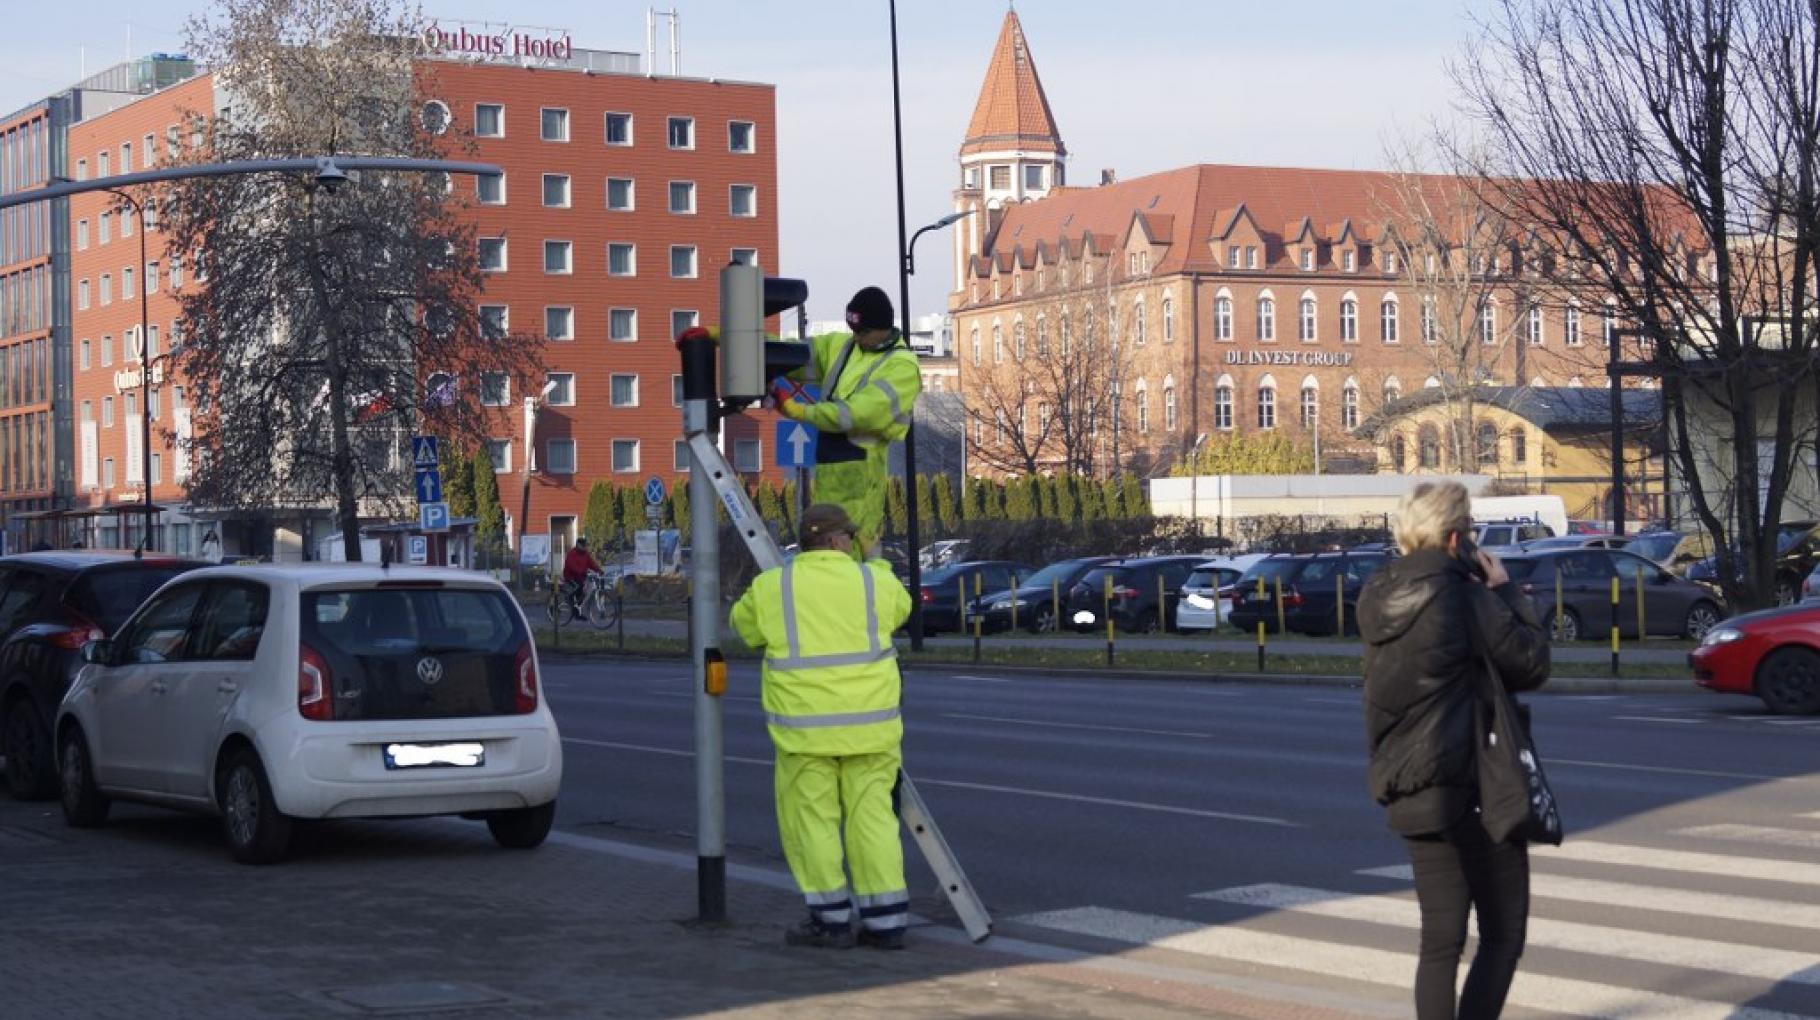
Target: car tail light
(1292, 599)
(1125, 593)
(524, 687)
(315, 685)
(928, 596)
(81, 631)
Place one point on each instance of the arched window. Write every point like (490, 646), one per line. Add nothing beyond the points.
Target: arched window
(1169, 405)
(1519, 446)
(1393, 390)
(998, 427)
(1387, 320)
(1311, 406)
(1349, 321)
(1112, 323)
(1535, 325)
(1609, 326)
(1349, 406)
(1143, 406)
(1267, 403)
(1488, 324)
(1138, 333)
(1428, 319)
(1222, 318)
(998, 344)
(1570, 326)
(1304, 330)
(1168, 319)
(1042, 337)
(1087, 329)
(1399, 453)
(1017, 339)
(1267, 317)
(1428, 448)
(1067, 340)
(976, 346)
(1485, 444)
(1222, 404)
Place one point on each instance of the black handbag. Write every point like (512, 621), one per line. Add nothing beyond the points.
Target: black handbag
(1515, 800)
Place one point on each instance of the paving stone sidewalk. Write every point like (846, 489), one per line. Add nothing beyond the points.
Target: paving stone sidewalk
(148, 918)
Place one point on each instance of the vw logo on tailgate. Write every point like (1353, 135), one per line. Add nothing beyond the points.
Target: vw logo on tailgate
(429, 671)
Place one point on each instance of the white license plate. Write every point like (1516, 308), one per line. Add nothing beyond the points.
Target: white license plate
(1084, 618)
(425, 756)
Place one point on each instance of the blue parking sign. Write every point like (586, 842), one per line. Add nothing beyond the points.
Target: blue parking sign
(433, 517)
(795, 444)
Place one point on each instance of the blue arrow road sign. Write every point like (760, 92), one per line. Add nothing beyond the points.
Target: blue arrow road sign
(433, 517)
(429, 486)
(423, 451)
(654, 491)
(795, 444)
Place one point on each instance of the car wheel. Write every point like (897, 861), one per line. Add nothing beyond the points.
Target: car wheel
(1569, 629)
(1788, 681)
(31, 768)
(83, 806)
(257, 833)
(1704, 616)
(1042, 620)
(522, 828)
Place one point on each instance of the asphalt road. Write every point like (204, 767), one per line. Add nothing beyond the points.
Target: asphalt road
(1227, 828)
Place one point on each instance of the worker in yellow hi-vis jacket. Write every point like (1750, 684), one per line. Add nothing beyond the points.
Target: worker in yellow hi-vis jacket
(831, 691)
(869, 380)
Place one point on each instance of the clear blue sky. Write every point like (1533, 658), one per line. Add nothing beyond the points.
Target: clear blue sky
(1136, 87)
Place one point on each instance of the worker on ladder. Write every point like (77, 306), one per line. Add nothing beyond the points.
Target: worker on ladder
(869, 380)
(831, 690)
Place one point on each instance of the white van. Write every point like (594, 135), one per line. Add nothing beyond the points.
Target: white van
(1549, 510)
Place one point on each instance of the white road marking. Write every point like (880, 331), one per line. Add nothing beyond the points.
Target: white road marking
(1600, 940)
(1654, 718)
(1666, 899)
(1625, 855)
(1802, 723)
(1377, 966)
(1666, 770)
(1332, 701)
(1798, 839)
(673, 752)
(980, 679)
(1097, 727)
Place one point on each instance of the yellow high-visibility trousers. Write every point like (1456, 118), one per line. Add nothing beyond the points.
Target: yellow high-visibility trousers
(858, 486)
(814, 794)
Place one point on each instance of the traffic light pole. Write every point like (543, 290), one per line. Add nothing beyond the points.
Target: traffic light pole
(700, 418)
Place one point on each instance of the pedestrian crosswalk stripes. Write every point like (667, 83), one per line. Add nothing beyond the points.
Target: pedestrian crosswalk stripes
(1378, 966)
(1798, 839)
(1748, 909)
(1624, 854)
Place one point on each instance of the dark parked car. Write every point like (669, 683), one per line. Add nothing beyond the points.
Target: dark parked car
(1315, 588)
(1035, 597)
(1797, 552)
(942, 587)
(51, 604)
(1248, 607)
(1138, 604)
(1672, 607)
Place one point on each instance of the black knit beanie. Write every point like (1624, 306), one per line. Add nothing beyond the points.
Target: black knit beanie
(870, 309)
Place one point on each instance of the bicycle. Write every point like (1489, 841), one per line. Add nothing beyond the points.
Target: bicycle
(594, 601)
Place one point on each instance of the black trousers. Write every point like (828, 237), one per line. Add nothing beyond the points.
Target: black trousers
(1457, 872)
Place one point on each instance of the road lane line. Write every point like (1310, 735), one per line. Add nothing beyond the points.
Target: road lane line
(1680, 951)
(1669, 770)
(671, 751)
(1376, 966)
(980, 679)
(1797, 839)
(1664, 899)
(1655, 718)
(1333, 701)
(1076, 726)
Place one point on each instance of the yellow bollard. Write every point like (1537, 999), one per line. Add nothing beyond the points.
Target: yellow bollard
(1614, 625)
(1282, 622)
(1260, 638)
(1109, 628)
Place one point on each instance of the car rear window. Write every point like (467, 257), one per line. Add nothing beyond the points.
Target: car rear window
(1095, 579)
(1270, 570)
(416, 653)
(1204, 579)
(1518, 569)
(108, 595)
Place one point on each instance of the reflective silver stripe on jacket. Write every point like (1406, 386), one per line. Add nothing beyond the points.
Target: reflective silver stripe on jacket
(811, 722)
(876, 650)
(834, 369)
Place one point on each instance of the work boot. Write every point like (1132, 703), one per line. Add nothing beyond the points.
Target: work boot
(890, 938)
(813, 933)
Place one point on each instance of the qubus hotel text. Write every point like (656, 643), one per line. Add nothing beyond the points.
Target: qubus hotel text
(511, 44)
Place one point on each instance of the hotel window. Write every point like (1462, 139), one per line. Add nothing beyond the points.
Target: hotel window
(494, 321)
(107, 349)
(683, 318)
(126, 223)
(1488, 325)
(81, 235)
(999, 178)
(107, 473)
(126, 157)
(104, 227)
(1232, 256)
(153, 403)
(82, 169)
(557, 257)
(88, 410)
(1305, 322)
(625, 455)
(151, 277)
(499, 451)
(126, 284)
(1251, 257)
(1349, 260)
(619, 129)
(1222, 318)
(561, 387)
(1033, 178)
(1387, 320)
(742, 136)
(489, 120)
(107, 289)
(622, 259)
(107, 412)
(682, 132)
(1267, 319)
(742, 200)
(1311, 407)
(1570, 332)
(490, 189)
(676, 391)
(554, 124)
(495, 389)
(84, 362)
(559, 457)
(151, 348)
(743, 256)
(682, 261)
(619, 194)
(682, 196)
(624, 390)
(556, 191)
(1349, 406)
(492, 254)
(104, 164)
(81, 294)
(559, 323)
(1308, 260)
(1535, 325)
(622, 324)
(176, 399)
(1267, 407)
(176, 271)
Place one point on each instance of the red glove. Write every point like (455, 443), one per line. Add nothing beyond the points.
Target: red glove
(783, 390)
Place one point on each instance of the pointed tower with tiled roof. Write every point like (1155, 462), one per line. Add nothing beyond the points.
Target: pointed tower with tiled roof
(1013, 151)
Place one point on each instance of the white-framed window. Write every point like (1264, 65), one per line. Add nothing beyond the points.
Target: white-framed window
(553, 124)
(1349, 406)
(556, 191)
(83, 362)
(998, 344)
(104, 228)
(1393, 390)
(1390, 261)
(743, 256)
(742, 136)
(625, 456)
(81, 294)
(621, 196)
(490, 189)
(176, 271)
(682, 197)
(1428, 320)
(81, 235)
(107, 473)
(1232, 256)
(622, 259)
(1267, 406)
(1139, 323)
(683, 318)
(679, 455)
(495, 389)
(1608, 326)
(748, 456)
(1349, 261)
(88, 410)
(1387, 320)
(742, 200)
(492, 254)
(1570, 326)
(107, 289)
(676, 390)
(126, 282)
(1017, 340)
(107, 349)
(1251, 256)
(1143, 403)
(434, 116)
(489, 120)
(1169, 420)
(559, 322)
(622, 324)
(559, 456)
(680, 132)
(975, 337)
(1168, 319)
(623, 389)
(1311, 406)
(558, 257)
(1033, 177)
(82, 169)
(1267, 318)
(561, 386)
(619, 128)
(1349, 320)
(1307, 260)
(499, 451)
(1488, 324)
(1222, 318)
(107, 412)
(1535, 325)
(494, 321)
(682, 261)
(1305, 320)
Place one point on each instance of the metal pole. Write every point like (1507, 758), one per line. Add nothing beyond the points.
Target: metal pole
(704, 630)
(1617, 437)
(913, 533)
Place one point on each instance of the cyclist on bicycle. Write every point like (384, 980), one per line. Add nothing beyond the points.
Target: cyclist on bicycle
(576, 567)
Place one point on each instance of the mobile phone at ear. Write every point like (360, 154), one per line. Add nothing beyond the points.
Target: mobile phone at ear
(1468, 552)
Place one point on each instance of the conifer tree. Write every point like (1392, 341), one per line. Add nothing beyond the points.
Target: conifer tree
(1093, 500)
(1067, 502)
(1137, 503)
(1017, 500)
(942, 495)
(457, 480)
(489, 515)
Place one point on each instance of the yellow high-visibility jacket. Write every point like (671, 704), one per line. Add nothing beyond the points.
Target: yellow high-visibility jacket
(868, 408)
(831, 684)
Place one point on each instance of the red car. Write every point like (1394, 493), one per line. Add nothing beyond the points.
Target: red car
(1773, 654)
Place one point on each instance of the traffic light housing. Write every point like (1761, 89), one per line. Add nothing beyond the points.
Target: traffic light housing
(748, 362)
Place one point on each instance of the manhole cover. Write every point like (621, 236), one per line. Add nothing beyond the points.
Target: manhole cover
(403, 997)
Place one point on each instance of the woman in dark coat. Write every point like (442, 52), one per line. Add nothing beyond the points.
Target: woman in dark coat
(1430, 621)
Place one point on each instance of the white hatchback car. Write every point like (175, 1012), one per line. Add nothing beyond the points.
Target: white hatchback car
(266, 694)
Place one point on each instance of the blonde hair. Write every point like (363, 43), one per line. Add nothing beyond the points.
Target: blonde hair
(1429, 513)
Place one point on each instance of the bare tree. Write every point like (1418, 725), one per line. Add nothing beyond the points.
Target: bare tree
(1673, 148)
(328, 325)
